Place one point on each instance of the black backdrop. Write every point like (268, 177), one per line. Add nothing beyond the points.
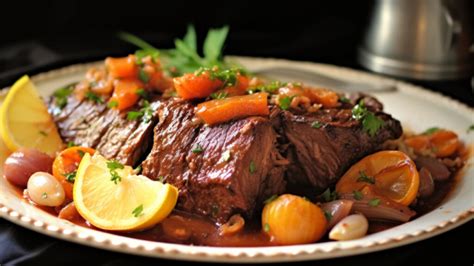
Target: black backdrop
(40, 35)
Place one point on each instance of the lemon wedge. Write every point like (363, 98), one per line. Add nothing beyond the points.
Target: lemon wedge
(25, 121)
(111, 197)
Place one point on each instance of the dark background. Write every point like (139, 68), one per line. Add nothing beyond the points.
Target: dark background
(42, 35)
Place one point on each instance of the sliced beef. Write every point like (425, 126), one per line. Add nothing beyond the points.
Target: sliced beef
(219, 170)
(94, 125)
(320, 154)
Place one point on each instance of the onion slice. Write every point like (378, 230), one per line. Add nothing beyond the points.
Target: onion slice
(337, 210)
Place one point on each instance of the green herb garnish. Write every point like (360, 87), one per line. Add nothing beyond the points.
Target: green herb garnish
(197, 149)
(430, 130)
(61, 96)
(272, 198)
(285, 102)
(113, 166)
(81, 153)
(365, 178)
(43, 133)
(143, 76)
(93, 97)
(138, 169)
(44, 195)
(269, 88)
(374, 202)
(328, 215)
(161, 179)
(358, 195)
(328, 196)
(71, 144)
(266, 227)
(71, 177)
(138, 211)
(344, 99)
(142, 93)
(470, 128)
(370, 122)
(112, 104)
(145, 113)
(219, 95)
(252, 167)
(316, 124)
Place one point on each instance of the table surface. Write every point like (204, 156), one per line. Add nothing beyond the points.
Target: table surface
(22, 246)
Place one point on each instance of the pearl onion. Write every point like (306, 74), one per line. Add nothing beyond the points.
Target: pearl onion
(351, 227)
(45, 190)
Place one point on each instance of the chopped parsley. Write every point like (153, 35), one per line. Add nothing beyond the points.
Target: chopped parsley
(145, 113)
(81, 153)
(219, 95)
(470, 128)
(344, 99)
(71, 144)
(269, 88)
(112, 104)
(142, 93)
(328, 196)
(197, 149)
(363, 177)
(143, 76)
(370, 122)
(138, 169)
(227, 76)
(140, 54)
(270, 199)
(266, 227)
(93, 97)
(113, 166)
(161, 178)
(358, 195)
(61, 95)
(285, 102)
(316, 124)
(431, 130)
(374, 202)
(328, 215)
(71, 177)
(138, 211)
(43, 133)
(44, 195)
(225, 156)
(252, 167)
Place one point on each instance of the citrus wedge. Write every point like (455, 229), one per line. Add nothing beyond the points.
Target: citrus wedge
(388, 173)
(127, 202)
(25, 121)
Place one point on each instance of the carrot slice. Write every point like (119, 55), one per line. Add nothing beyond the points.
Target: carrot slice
(327, 98)
(125, 93)
(123, 67)
(391, 174)
(66, 164)
(222, 110)
(192, 86)
(441, 142)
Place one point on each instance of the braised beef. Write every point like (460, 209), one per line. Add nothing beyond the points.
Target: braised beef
(219, 170)
(320, 154)
(92, 124)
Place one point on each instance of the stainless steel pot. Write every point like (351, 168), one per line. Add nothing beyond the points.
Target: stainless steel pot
(420, 39)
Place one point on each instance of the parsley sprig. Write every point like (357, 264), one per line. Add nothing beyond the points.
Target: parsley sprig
(113, 166)
(185, 58)
(370, 122)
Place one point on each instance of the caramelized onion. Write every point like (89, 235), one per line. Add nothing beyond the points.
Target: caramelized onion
(337, 210)
(438, 170)
(20, 165)
(385, 209)
(234, 225)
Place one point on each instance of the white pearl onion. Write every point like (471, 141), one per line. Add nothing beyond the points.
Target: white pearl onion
(45, 190)
(351, 227)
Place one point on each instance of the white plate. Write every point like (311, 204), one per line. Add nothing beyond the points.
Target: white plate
(418, 109)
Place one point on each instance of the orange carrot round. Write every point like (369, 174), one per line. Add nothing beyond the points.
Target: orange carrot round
(193, 86)
(123, 67)
(66, 164)
(125, 93)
